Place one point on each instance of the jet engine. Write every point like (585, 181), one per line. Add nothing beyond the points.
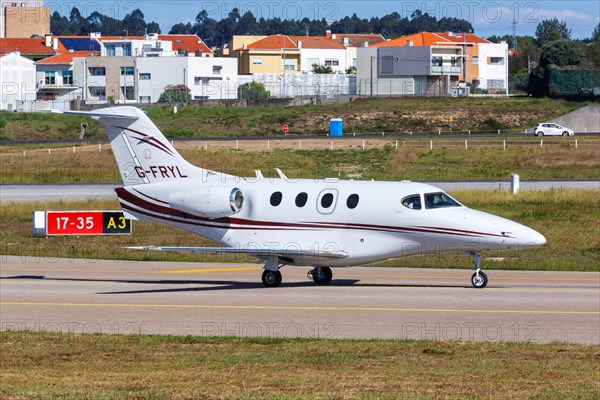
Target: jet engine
(210, 202)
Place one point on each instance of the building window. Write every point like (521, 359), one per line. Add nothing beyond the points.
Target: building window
(436, 61)
(289, 64)
(475, 60)
(50, 77)
(129, 92)
(145, 76)
(387, 65)
(257, 60)
(98, 92)
(495, 84)
(127, 49)
(496, 60)
(127, 71)
(145, 99)
(332, 62)
(67, 77)
(276, 199)
(217, 69)
(110, 50)
(97, 71)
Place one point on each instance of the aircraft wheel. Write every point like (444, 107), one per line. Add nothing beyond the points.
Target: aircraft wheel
(271, 278)
(323, 278)
(479, 282)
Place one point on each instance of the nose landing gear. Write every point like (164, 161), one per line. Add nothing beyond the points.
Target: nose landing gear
(479, 280)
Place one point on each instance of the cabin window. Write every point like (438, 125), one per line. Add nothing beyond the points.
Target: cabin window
(327, 200)
(440, 200)
(301, 199)
(352, 201)
(413, 202)
(276, 199)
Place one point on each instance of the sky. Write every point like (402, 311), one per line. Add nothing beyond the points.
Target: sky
(487, 17)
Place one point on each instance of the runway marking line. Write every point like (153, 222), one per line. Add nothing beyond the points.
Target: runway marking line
(300, 308)
(242, 269)
(207, 270)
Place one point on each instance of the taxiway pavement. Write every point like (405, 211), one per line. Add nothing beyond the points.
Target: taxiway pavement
(88, 296)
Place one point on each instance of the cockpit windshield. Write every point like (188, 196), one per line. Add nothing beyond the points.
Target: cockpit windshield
(440, 200)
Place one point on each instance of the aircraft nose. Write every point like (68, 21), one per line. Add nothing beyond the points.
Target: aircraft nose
(532, 238)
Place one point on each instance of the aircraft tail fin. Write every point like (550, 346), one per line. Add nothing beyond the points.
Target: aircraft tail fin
(142, 152)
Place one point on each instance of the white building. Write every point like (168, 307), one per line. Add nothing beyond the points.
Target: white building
(206, 77)
(59, 83)
(17, 82)
(493, 66)
(321, 50)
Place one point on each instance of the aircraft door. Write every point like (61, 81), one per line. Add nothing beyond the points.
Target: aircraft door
(327, 201)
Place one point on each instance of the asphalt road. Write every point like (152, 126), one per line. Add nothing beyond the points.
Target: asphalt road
(87, 296)
(23, 193)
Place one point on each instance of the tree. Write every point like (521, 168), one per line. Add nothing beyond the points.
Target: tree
(253, 91)
(563, 53)
(351, 70)
(551, 30)
(181, 29)
(60, 25)
(175, 94)
(596, 33)
(321, 69)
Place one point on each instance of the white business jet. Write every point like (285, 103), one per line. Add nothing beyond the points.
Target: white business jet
(297, 222)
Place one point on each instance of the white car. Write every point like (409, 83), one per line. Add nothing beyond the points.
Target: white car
(552, 129)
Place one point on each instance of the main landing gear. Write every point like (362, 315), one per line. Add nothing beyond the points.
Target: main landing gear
(321, 275)
(479, 280)
(271, 278)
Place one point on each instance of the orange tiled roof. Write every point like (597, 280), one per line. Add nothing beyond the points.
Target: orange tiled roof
(433, 38)
(63, 58)
(276, 42)
(190, 43)
(273, 42)
(25, 46)
(358, 39)
(318, 42)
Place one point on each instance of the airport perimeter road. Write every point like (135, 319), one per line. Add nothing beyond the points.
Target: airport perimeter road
(23, 193)
(229, 300)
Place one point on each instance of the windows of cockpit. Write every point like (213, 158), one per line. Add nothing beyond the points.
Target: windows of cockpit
(413, 202)
(439, 200)
(276, 199)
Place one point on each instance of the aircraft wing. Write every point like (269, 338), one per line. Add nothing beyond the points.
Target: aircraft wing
(263, 254)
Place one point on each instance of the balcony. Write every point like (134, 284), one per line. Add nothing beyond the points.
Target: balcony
(445, 70)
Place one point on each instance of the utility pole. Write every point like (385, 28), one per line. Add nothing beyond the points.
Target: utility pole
(372, 59)
(514, 33)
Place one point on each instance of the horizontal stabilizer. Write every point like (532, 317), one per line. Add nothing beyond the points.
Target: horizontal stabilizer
(118, 114)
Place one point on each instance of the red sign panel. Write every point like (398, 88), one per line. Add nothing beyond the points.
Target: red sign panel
(86, 223)
(285, 128)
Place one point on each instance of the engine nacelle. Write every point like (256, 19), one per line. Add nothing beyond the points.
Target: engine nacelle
(210, 202)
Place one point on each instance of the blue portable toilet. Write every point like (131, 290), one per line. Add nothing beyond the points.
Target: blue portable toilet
(335, 127)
